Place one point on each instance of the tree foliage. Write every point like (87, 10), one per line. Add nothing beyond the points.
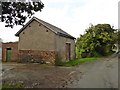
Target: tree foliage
(98, 40)
(16, 13)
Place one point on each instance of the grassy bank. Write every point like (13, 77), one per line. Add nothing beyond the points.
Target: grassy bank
(76, 61)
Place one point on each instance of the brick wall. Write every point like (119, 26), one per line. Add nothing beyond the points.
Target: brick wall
(28, 56)
(0, 44)
(25, 56)
(14, 50)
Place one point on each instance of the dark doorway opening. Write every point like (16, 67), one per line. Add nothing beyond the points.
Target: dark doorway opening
(68, 51)
(8, 54)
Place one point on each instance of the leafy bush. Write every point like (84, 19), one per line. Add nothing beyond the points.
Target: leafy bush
(59, 63)
(98, 40)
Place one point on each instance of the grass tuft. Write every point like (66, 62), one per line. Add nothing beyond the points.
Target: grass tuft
(17, 85)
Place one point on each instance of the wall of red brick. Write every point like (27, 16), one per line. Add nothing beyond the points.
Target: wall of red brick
(0, 44)
(14, 51)
(28, 56)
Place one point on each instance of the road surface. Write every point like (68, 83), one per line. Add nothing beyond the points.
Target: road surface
(101, 73)
(98, 74)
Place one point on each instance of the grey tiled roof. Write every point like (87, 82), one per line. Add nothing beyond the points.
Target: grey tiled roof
(50, 26)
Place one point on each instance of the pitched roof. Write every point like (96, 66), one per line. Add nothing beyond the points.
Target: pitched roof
(53, 28)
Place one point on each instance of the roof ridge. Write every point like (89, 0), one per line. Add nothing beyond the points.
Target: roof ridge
(55, 29)
(53, 26)
(48, 23)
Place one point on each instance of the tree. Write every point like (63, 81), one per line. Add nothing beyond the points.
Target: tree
(98, 40)
(16, 13)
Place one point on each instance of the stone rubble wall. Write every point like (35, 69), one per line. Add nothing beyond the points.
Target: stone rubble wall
(36, 56)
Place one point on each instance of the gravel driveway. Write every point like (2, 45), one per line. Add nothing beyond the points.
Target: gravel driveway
(35, 75)
(95, 74)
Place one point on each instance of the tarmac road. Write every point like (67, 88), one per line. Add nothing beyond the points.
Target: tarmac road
(98, 74)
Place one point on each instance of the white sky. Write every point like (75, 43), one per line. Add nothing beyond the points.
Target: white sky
(73, 16)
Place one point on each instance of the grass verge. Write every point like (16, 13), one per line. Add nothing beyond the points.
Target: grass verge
(17, 85)
(76, 61)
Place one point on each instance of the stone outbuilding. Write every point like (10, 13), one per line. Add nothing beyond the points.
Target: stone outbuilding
(40, 41)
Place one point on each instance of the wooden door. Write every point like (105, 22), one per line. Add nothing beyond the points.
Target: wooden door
(68, 51)
(8, 54)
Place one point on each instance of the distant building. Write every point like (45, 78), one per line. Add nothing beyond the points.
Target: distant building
(0, 49)
(0, 42)
(10, 52)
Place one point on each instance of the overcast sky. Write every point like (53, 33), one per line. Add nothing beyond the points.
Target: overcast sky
(73, 16)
